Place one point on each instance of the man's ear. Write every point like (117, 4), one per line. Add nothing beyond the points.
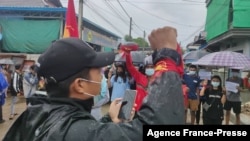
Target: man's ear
(79, 85)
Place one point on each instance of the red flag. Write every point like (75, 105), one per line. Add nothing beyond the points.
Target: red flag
(70, 29)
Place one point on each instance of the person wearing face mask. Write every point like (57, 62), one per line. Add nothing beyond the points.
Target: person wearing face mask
(100, 100)
(214, 100)
(201, 98)
(193, 82)
(73, 80)
(119, 82)
(30, 82)
(234, 99)
(141, 80)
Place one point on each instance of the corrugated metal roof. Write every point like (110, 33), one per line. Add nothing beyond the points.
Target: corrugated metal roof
(31, 3)
(48, 9)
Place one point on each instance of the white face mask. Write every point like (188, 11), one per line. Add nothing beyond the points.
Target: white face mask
(215, 84)
(192, 72)
(90, 82)
(149, 71)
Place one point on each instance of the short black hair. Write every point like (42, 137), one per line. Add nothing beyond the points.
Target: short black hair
(119, 46)
(193, 66)
(17, 67)
(32, 67)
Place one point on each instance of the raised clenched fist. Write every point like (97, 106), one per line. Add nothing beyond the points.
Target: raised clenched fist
(165, 37)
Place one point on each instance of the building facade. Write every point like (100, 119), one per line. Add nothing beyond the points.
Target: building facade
(228, 26)
(27, 28)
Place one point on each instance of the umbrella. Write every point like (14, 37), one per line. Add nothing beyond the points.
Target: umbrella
(137, 57)
(224, 59)
(246, 69)
(193, 56)
(6, 61)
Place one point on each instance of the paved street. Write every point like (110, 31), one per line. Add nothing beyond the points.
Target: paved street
(20, 107)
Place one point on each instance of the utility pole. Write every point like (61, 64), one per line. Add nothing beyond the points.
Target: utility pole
(130, 28)
(144, 43)
(80, 15)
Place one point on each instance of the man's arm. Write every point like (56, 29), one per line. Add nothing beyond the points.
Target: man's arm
(15, 82)
(110, 79)
(138, 76)
(241, 85)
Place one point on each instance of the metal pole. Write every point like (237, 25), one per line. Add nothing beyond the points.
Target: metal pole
(62, 26)
(144, 43)
(80, 15)
(130, 28)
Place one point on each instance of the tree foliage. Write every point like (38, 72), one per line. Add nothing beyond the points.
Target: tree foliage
(140, 41)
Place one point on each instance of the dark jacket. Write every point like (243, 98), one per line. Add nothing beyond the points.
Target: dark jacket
(15, 86)
(67, 120)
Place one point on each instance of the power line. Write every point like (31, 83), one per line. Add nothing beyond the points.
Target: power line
(192, 35)
(129, 16)
(123, 9)
(112, 7)
(224, 4)
(160, 17)
(112, 13)
(100, 15)
(162, 2)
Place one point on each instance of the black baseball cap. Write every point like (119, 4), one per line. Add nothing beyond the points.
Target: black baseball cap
(68, 56)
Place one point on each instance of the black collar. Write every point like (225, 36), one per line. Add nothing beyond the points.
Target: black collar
(81, 104)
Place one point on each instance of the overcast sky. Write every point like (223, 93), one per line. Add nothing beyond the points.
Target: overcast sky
(188, 16)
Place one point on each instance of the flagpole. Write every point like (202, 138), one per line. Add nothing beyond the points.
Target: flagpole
(80, 15)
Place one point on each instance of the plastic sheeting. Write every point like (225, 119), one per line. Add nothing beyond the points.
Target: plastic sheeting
(28, 36)
(217, 18)
(241, 13)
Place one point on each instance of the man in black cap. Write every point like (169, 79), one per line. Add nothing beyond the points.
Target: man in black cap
(72, 70)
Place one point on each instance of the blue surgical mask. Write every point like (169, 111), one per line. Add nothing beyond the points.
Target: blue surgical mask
(215, 84)
(103, 91)
(150, 71)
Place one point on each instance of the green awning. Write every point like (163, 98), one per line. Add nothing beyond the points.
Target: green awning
(28, 36)
(217, 18)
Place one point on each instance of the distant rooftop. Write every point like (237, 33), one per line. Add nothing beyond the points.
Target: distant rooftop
(31, 3)
(49, 6)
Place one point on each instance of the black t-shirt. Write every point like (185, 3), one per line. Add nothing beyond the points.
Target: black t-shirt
(213, 98)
